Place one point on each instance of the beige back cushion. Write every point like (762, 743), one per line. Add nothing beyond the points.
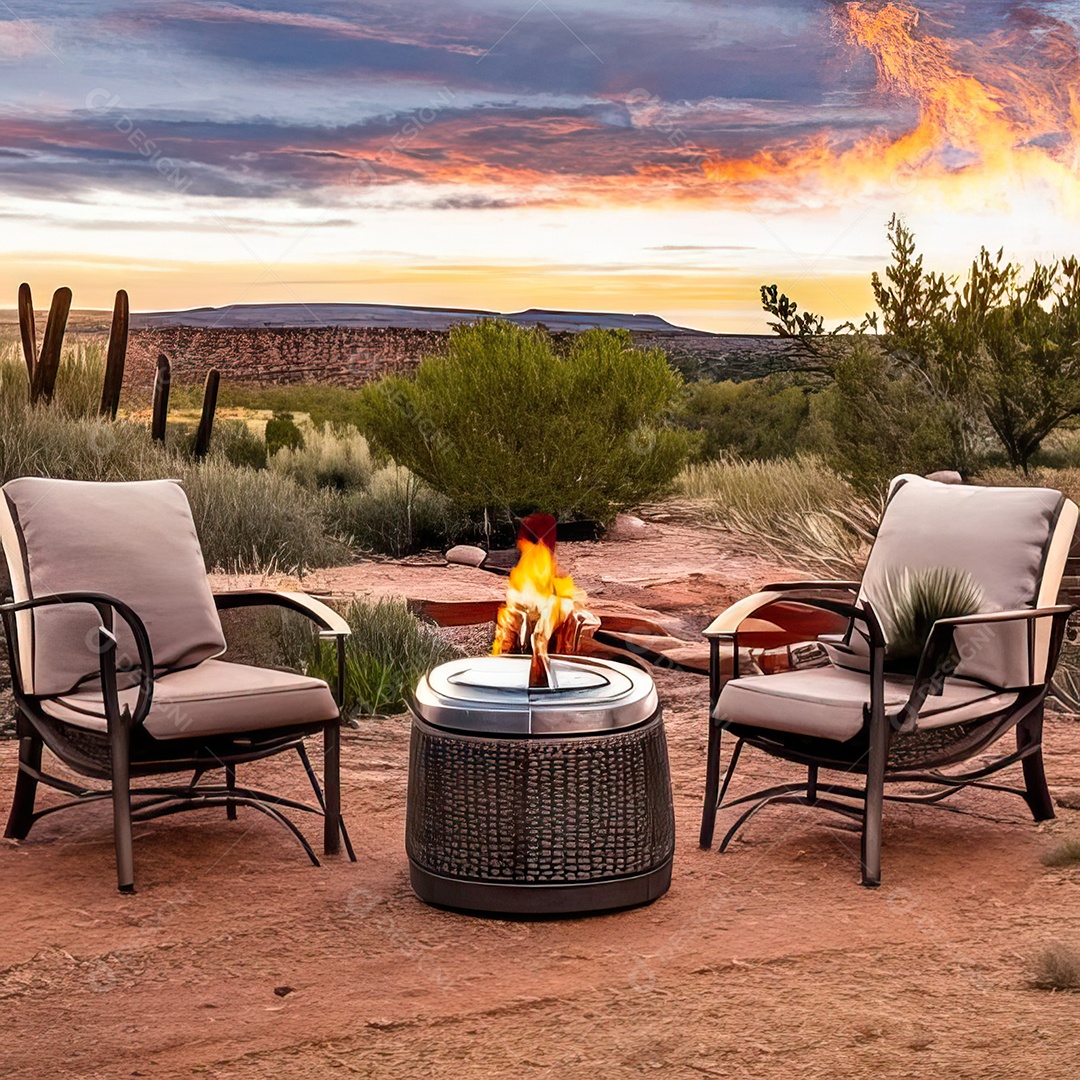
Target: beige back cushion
(1012, 541)
(132, 541)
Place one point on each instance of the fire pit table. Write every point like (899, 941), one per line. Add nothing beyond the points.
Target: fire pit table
(538, 801)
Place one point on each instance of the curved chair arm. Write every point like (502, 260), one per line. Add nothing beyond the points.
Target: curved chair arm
(331, 624)
(726, 627)
(105, 606)
(727, 622)
(940, 657)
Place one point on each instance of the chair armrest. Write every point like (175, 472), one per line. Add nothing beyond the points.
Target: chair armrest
(728, 621)
(330, 623)
(940, 659)
(814, 586)
(106, 607)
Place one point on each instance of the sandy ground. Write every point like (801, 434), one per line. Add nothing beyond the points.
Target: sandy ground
(238, 959)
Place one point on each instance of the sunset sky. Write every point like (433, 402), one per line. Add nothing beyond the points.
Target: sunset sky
(665, 156)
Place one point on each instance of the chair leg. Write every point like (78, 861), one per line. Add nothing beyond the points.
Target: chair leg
(121, 800)
(332, 785)
(873, 805)
(712, 786)
(1028, 733)
(22, 806)
(230, 783)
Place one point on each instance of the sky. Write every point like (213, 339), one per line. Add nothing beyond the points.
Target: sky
(666, 157)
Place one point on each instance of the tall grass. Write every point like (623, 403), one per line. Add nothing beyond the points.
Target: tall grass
(388, 651)
(254, 521)
(79, 378)
(798, 510)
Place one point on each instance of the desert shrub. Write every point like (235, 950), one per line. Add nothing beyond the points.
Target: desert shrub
(387, 652)
(1056, 967)
(886, 419)
(758, 419)
(238, 444)
(282, 432)
(503, 424)
(1066, 853)
(254, 521)
(331, 457)
(799, 510)
(396, 513)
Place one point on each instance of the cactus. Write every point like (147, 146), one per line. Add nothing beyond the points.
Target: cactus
(48, 364)
(27, 329)
(114, 361)
(206, 421)
(161, 398)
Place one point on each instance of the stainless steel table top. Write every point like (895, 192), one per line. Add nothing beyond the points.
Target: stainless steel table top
(491, 695)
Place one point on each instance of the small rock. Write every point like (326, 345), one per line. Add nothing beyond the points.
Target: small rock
(282, 991)
(946, 476)
(1068, 800)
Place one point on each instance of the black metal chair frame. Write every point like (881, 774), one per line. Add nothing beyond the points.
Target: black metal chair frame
(890, 748)
(126, 750)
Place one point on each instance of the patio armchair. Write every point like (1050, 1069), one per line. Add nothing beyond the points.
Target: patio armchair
(978, 677)
(114, 642)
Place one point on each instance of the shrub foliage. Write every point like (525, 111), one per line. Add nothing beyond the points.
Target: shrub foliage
(503, 424)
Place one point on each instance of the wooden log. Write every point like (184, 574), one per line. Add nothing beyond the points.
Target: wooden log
(206, 421)
(27, 331)
(48, 364)
(116, 357)
(161, 398)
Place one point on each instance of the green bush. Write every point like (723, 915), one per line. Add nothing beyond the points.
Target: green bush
(386, 654)
(886, 419)
(282, 432)
(336, 458)
(504, 425)
(759, 419)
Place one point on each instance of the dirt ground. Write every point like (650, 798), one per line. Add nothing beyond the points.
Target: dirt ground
(238, 959)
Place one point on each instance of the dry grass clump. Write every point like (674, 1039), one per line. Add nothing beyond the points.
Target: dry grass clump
(333, 457)
(798, 510)
(1067, 480)
(1056, 967)
(1066, 853)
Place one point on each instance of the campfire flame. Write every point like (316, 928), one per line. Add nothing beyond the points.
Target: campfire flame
(544, 611)
(983, 119)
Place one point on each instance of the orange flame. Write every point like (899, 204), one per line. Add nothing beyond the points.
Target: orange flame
(544, 611)
(537, 589)
(1005, 123)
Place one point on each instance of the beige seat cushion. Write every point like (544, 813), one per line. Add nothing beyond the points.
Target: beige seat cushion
(828, 702)
(214, 698)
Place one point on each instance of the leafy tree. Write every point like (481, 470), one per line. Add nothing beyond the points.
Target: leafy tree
(997, 356)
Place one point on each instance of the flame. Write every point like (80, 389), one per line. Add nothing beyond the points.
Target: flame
(1006, 123)
(536, 588)
(544, 611)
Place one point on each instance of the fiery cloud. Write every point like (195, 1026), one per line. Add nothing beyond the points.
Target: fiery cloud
(983, 117)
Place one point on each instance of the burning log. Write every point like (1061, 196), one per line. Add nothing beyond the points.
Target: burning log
(544, 612)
